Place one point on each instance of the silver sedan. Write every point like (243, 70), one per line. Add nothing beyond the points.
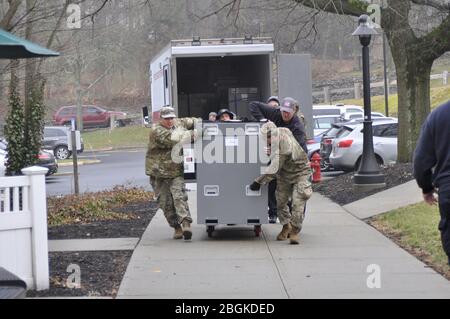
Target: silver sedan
(347, 149)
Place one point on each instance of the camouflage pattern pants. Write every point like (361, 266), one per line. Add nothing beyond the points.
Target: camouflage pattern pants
(299, 192)
(172, 199)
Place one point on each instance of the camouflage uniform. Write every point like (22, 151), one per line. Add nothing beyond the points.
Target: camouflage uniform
(166, 175)
(290, 166)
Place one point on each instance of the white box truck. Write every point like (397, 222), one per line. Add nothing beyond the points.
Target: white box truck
(198, 76)
(201, 76)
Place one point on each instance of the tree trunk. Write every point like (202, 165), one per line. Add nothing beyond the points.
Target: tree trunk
(413, 83)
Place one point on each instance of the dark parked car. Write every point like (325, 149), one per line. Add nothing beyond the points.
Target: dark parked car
(46, 159)
(326, 144)
(93, 116)
(56, 140)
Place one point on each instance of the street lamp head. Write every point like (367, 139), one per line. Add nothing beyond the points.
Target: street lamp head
(364, 28)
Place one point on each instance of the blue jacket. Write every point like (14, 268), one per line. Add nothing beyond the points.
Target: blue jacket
(433, 151)
(261, 111)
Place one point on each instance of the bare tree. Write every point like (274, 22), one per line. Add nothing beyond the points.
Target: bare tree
(413, 51)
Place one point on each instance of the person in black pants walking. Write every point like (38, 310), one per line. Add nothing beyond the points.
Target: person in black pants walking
(273, 102)
(284, 116)
(432, 167)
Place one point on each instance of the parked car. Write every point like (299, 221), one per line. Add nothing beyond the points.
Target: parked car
(93, 116)
(359, 115)
(46, 159)
(56, 140)
(337, 109)
(313, 147)
(323, 123)
(326, 143)
(2, 162)
(347, 148)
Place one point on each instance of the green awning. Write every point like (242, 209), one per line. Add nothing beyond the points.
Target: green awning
(12, 47)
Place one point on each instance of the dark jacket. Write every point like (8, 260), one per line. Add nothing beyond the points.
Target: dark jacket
(261, 111)
(433, 150)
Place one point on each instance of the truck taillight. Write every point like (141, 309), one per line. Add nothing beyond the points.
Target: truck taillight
(327, 141)
(345, 143)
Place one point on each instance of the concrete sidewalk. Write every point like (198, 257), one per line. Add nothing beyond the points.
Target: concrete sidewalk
(331, 261)
(400, 196)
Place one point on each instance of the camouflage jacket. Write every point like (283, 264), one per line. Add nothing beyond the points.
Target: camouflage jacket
(162, 141)
(289, 162)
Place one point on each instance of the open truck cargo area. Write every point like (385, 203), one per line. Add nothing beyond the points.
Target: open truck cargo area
(201, 76)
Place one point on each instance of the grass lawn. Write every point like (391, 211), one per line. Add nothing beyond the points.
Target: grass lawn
(439, 95)
(128, 136)
(415, 228)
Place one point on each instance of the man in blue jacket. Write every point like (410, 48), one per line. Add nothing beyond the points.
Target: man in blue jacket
(432, 166)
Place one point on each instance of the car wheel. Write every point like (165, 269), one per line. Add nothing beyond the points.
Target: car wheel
(62, 152)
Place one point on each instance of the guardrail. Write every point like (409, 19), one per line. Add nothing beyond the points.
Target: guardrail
(357, 88)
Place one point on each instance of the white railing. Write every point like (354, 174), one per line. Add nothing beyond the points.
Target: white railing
(23, 227)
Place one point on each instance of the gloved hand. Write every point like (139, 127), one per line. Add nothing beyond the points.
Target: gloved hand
(255, 186)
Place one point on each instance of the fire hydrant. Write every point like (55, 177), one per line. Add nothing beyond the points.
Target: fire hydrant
(315, 165)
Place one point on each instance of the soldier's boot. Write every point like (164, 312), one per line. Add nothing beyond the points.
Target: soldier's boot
(178, 234)
(187, 232)
(294, 237)
(283, 235)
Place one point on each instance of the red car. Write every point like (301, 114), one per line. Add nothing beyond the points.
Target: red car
(93, 116)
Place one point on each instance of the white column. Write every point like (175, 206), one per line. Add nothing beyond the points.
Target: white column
(39, 239)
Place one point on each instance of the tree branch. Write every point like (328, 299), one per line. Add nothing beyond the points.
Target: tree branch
(348, 7)
(6, 21)
(437, 42)
(440, 5)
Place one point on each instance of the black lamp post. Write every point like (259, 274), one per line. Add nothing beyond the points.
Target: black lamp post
(368, 175)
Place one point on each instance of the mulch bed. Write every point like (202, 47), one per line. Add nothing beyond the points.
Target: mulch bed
(112, 228)
(340, 188)
(100, 273)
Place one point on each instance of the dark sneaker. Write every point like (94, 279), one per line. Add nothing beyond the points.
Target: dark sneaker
(272, 219)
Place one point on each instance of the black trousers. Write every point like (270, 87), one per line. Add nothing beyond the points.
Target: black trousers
(272, 198)
(444, 224)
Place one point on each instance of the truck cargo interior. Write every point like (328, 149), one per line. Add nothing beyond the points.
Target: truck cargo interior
(207, 84)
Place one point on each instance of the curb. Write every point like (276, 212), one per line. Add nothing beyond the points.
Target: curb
(115, 149)
(80, 163)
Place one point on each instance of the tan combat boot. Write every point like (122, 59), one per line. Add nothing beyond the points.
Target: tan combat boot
(283, 235)
(178, 234)
(187, 232)
(294, 237)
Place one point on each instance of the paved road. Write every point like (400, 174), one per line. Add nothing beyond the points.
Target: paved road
(116, 168)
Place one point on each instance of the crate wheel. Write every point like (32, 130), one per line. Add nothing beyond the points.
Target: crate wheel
(210, 230)
(257, 230)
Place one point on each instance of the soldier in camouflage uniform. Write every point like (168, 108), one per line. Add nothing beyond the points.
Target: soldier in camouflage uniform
(290, 166)
(166, 175)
